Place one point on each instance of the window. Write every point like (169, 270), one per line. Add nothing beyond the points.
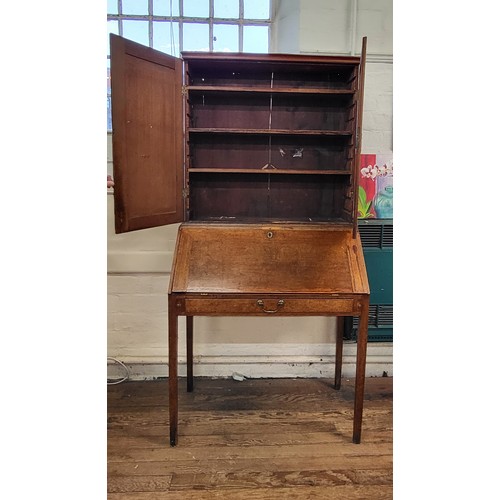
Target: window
(173, 26)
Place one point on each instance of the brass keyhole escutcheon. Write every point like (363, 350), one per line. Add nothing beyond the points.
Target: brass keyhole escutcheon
(269, 234)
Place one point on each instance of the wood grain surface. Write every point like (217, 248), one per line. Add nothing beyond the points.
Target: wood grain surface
(267, 438)
(268, 259)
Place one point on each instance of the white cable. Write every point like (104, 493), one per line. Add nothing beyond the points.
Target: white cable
(126, 377)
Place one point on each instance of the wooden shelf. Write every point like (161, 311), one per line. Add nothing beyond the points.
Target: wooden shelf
(250, 131)
(268, 90)
(277, 220)
(268, 170)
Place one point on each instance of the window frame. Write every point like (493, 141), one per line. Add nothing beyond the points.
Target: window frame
(241, 22)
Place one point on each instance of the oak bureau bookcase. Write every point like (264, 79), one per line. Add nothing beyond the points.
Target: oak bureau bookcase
(258, 156)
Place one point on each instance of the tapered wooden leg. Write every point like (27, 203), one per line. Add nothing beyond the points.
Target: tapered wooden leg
(189, 351)
(359, 390)
(172, 371)
(339, 343)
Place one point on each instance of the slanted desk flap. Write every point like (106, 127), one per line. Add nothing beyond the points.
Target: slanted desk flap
(268, 259)
(146, 93)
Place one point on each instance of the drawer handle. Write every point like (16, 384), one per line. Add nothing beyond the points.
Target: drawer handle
(280, 303)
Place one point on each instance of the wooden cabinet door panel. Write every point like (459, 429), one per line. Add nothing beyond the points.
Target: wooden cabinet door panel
(146, 93)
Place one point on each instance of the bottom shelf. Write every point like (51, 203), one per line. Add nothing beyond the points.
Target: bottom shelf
(268, 220)
(259, 198)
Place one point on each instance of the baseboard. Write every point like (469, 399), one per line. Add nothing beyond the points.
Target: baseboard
(260, 361)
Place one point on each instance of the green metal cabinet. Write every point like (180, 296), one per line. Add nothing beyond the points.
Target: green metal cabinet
(377, 240)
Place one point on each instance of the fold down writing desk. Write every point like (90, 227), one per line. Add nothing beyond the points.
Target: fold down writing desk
(259, 270)
(258, 156)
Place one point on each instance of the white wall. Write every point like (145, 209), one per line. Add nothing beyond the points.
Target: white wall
(337, 27)
(139, 263)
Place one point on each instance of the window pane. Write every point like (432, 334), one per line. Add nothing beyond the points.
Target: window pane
(256, 9)
(109, 95)
(225, 38)
(195, 37)
(256, 39)
(137, 31)
(108, 75)
(164, 35)
(162, 7)
(227, 8)
(196, 8)
(109, 122)
(135, 7)
(112, 6)
(112, 28)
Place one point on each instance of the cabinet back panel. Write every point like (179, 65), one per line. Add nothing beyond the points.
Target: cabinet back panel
(309, 152)
(257, 197)
(282, 111)
(339, 78)
(300, 152)
(310, 112)
(229, 75)
(228, 151)
(312, 198)
(228, 196)
(229, 110)
(270, 74)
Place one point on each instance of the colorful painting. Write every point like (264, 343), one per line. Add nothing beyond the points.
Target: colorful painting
(375, 187)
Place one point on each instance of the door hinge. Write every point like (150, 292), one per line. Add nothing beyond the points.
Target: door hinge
(185, 193)
(184, 90)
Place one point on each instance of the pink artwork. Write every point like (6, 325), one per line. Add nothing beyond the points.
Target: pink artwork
(375, 187)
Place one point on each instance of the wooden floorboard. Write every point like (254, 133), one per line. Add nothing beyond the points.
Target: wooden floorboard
(262, 438)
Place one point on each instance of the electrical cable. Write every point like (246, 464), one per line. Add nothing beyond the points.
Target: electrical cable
(123, 379)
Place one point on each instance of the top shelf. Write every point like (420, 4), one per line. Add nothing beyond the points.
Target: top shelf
(268, 90)
(272, 60)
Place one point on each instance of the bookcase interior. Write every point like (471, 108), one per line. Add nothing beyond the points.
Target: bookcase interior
(270, 140)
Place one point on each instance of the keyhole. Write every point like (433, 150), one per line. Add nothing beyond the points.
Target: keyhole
(270, 234)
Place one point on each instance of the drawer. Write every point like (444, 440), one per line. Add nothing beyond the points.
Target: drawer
(268, 306)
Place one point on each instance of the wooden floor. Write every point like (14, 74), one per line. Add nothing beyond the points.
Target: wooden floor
(262, 438)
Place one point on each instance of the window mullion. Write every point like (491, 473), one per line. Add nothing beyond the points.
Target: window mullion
(120, 13)
(211, 25)
(181, 26)
(150, 22)
(240, 27)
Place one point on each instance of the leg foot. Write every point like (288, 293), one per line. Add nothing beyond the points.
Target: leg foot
(173, 438)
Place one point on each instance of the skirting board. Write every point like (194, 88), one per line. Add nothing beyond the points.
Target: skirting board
(259, 361)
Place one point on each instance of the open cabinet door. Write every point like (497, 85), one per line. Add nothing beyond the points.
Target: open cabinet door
(359, 131)
(146, 105)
